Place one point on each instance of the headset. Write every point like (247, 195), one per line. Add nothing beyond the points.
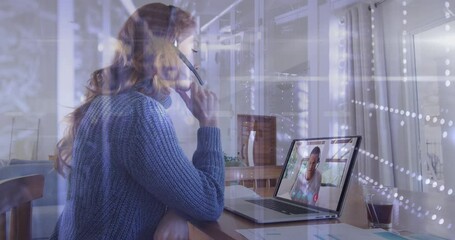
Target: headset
(183, 57)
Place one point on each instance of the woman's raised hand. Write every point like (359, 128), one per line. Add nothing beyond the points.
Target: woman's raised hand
(203, 103)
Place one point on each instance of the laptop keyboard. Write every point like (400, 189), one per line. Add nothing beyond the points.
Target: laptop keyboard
(280, 206)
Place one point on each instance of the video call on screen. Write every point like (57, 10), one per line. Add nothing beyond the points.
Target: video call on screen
(335, 157)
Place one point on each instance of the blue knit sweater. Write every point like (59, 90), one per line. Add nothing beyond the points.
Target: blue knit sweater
(128, 168)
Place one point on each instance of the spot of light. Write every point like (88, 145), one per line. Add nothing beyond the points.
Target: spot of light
(100, 47)
(444, 134)
(450, 191)
(402, 123)
(447, 83)
(433, 217)
(427, 181)
(441, 188)
(435, 184)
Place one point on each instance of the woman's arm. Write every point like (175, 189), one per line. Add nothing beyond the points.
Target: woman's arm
(172, 226)
(158, 163)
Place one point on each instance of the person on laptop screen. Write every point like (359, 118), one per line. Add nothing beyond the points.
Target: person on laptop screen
(306, 186)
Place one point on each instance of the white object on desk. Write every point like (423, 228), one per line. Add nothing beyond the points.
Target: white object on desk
(250, 148)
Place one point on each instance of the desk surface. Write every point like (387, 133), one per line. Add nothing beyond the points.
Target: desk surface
(414, 212)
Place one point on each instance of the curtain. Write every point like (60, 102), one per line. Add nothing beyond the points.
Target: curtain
(366, 93)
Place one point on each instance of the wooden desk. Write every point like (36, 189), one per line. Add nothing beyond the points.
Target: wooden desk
(406, 218)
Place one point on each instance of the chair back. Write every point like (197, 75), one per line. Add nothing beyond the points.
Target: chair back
(16, 196)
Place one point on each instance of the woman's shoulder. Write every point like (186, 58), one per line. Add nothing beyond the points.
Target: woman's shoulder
(142, 104)
(126, 103)
(131, 99)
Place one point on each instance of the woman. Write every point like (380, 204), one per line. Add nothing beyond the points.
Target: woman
(128, 177)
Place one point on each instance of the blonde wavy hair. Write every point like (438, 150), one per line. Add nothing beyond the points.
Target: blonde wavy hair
(145, 59)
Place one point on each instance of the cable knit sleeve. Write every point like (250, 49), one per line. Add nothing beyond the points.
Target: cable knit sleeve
(159, 164)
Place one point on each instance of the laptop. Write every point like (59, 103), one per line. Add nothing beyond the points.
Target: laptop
(295, 197)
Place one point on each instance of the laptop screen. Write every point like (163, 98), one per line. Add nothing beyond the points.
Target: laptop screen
(317, 170)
